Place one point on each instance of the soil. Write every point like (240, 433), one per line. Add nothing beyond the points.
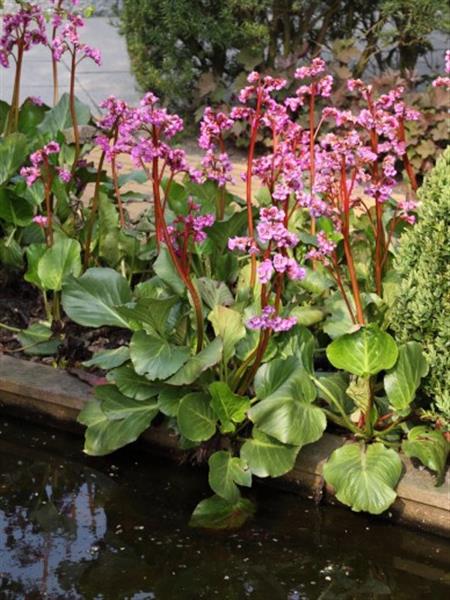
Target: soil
(21, 305)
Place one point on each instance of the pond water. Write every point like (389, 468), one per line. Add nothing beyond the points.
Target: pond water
(116, 528)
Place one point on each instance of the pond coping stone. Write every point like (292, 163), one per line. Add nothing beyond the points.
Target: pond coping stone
(52, 396)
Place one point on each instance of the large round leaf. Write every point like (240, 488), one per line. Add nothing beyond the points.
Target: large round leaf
(228, 324)
(365, 352)
(267, 457)
(16, 210)
(229, 407)
(286, 411)
(109, 359)
(154, 357)
(402, 381)
(430, 447)
(91, 299)
(195, 366)
(58, 262)
(133, 385)
(113, 420)
(217, 513)
(196, 418)
(364, 477)
(226, 472)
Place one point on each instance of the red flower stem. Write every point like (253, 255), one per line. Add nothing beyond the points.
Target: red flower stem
(93, 213)
(347, 247)
(336, 274)
(312, 159)
(13, 116)
(117, 191)
(73, 110)
(156, 190)
(251, 155)
(48, 203)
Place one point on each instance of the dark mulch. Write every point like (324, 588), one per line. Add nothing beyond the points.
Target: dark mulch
(21, 305)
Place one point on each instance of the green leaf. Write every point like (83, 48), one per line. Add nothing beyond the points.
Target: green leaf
(132, 176)
(307, 315)
(14, 209)
(30, 116)
(58, 262)
(114, 420)
(196, 418)
(151, 313)
(217, 513)
(59, 118)
(109, 359)
(226, 472)
(430, 447)
(165, 269)
(229, 325)
(155, 357)
(229, 407)
(34, 254)
(169, 400)
(214, 292)
(221, 231)
(365, 352)
(336, 385)
(286, 411)
(195, 366)
(266, 456)
(13, 152)
(37, 340)
(364, 477)
(402, 381)
(91, 300)
(133, 385)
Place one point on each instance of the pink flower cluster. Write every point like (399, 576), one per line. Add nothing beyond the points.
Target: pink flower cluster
(190, 227)
(24, 28)
(444, 81)
(216, 162)
(68, 40)
(269, 320)
(39, 159)
(325, 248)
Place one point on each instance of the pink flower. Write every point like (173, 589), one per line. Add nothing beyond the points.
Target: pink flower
(41, 220)
(270, 320)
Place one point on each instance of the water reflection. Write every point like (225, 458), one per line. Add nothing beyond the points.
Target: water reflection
(73, 527)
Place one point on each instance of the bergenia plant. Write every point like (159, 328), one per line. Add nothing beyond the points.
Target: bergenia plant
(21, 30)
(67, 41)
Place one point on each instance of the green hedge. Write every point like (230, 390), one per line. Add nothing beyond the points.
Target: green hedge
(422, 311)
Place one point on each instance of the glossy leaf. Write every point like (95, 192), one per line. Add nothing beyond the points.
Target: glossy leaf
(131, 384)
(214, 292)
(228, 324)
(58, 262)
(364, 477)
(195, 366)
(13, 152)
(196, 418)
(109, 359)
(34, 254)
(365, 352)
(267, 457)
(37, 340)
(226, 472)
(114, 421)
(150, 314)
(230, 408)
(91, 300)
(59, 118)
(15, 210)
(169, 400)
(403, 380)
(217, 513)
(286, 411)
(430, 447)
(165, 269)
(155, 357)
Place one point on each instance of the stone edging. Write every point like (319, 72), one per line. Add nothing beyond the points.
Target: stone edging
(33, 390)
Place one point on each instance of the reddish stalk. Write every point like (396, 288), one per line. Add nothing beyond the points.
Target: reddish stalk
(13, 116)
(312, 159)
(251, 156)
(93, 214)
(348, 250)
(48, 205)
(73, 111)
